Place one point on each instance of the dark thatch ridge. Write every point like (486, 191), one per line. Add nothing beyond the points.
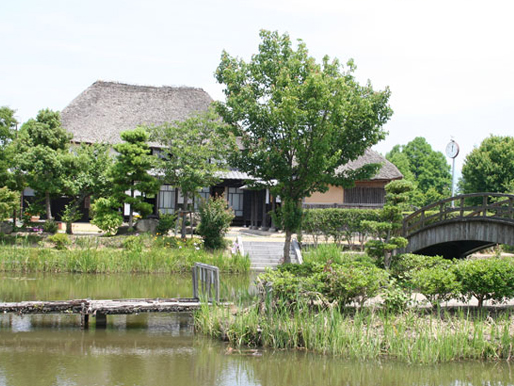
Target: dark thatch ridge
(105, 109)
(388, 171)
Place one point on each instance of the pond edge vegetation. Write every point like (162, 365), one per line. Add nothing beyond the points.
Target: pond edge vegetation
(142, 253)
(323, 307)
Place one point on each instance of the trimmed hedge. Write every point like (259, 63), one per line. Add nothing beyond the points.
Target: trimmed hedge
(338, 224)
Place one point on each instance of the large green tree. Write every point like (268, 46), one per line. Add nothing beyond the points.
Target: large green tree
(298, 120)
(194, 152)
(130, 172)
(40, 147)
(426, 168)
(489, 167)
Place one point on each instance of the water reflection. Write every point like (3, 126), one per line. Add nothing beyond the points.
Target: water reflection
(162, 349)
(15, 287)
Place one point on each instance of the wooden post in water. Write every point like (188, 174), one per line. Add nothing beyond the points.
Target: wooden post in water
(101, 320)
(84, 317)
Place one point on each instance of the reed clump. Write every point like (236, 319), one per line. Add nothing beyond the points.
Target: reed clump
(365, 334)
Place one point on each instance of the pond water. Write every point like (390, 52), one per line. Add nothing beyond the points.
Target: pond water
(162, 349)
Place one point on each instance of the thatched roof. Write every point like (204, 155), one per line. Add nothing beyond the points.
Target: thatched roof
(105, 109)
(388, 171)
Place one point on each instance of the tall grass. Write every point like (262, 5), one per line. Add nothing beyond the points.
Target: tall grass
(110, 260)
(411, 337)
(325, 252)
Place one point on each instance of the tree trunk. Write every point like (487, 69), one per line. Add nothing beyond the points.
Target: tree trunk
(387, 254)
(184, 216)
(387, 259)
(131, 212)
(131, 217)
(287, 246)
(48, 206)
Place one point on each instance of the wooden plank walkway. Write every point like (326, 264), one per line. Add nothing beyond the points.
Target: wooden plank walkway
(205, 283)
(108, 307)
(101, 308)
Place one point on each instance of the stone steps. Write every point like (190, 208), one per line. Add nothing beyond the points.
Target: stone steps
(266, 254)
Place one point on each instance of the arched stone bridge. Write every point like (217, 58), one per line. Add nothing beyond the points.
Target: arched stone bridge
(461, 225)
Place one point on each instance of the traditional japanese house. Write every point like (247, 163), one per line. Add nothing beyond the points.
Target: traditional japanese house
(105, 109)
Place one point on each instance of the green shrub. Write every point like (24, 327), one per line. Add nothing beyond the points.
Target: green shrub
(166, 223)
(215, 218)
(31, 209)
(133, 243)
(437, 283)
(352, 282)
(106, 215)
(486, 279)
(284, 287)
(60, 240)
(404, 265)
(395, 297)
(344, 283)
(508, 248)
(9, 202)
(69, 215)
(50, 226)
(307, 269)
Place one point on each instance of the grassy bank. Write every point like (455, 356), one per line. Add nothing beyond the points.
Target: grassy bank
(413, 337)
(136, 254)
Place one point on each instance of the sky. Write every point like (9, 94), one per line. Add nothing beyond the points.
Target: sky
(449, 64)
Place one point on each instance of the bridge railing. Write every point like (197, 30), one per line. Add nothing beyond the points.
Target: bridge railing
(206, 282)
(484, 205)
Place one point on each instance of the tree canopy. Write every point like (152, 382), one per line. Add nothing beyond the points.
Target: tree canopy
(130, 172)
(7, 133)
(426, 168)
(40, 147)
(299, 120)
(194, 152)
(7, 124)
(489, 167)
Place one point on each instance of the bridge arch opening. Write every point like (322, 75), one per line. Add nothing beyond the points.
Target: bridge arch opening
(455, 249)
(456, 227)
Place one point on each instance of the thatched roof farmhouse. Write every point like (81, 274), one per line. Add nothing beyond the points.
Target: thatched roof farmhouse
(105, 109)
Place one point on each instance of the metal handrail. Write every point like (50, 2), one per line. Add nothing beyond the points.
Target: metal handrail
(206, 282)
